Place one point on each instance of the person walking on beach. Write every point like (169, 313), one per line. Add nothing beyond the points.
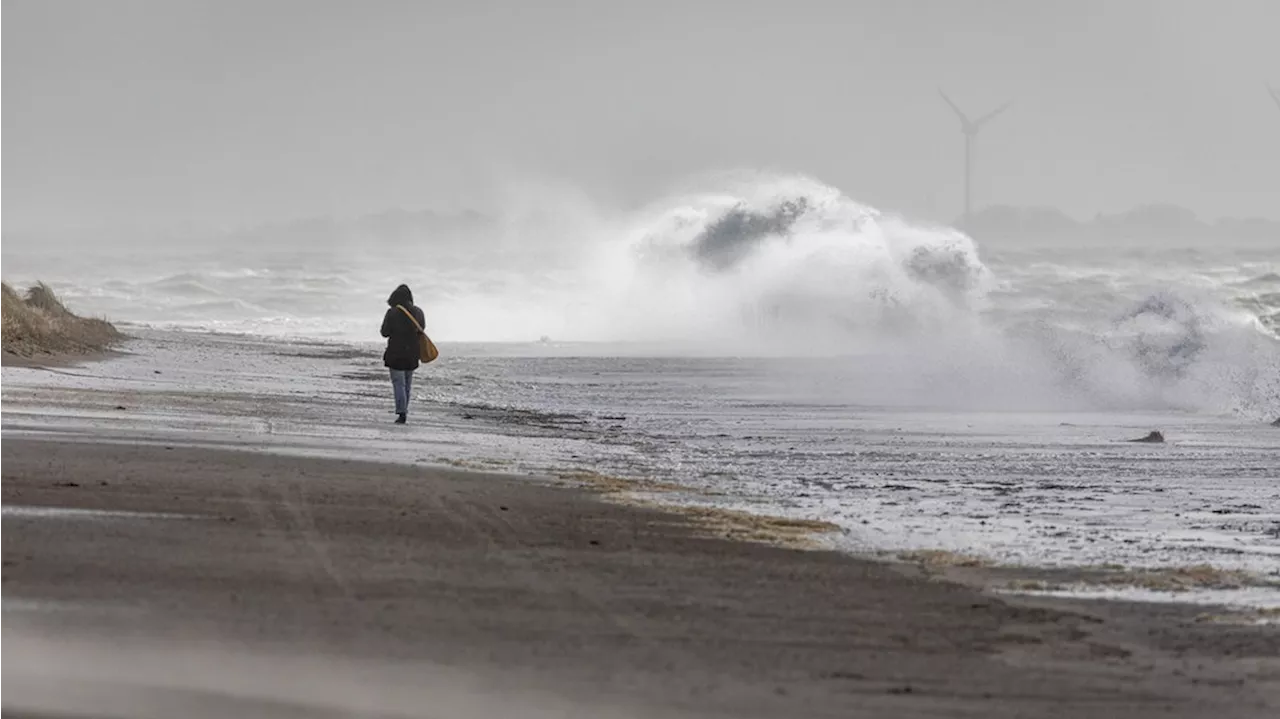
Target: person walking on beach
(401, 326)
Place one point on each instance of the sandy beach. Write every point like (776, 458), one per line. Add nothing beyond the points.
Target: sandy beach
(182, 569)
(201, 525)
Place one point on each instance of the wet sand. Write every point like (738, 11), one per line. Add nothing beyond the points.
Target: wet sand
(1021, 489)
(54, 359)
(268, 585)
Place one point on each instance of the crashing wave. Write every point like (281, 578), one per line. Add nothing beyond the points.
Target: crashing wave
(734, 234)
(789, 255)
(780, 265)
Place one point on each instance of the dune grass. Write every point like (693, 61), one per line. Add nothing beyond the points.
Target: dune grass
(37, 323)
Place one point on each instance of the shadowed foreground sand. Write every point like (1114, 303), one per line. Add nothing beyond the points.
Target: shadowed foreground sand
(280, 587)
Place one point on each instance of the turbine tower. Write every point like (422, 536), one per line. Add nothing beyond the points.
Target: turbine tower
(970, 129)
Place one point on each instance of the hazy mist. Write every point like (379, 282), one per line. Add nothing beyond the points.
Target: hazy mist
(212, 114)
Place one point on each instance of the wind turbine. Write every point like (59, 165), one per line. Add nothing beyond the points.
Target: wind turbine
(970, 129)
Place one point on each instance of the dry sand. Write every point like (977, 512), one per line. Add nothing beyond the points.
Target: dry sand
(280, 587)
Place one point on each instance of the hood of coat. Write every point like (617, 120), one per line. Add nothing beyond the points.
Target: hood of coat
(402, 296)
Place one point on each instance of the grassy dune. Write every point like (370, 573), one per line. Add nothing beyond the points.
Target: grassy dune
(37, 323)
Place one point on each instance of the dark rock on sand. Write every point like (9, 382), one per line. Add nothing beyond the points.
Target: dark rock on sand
(1153, 438)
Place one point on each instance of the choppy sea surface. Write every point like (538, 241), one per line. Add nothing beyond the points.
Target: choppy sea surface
(768, 344)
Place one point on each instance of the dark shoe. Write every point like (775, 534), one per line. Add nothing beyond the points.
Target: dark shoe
(401, 418)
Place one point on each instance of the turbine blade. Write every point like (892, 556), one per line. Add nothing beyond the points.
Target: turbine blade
(1275, 94)
(964, 119)
(991, 115)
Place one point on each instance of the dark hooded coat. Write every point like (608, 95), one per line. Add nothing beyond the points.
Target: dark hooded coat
(402, 336)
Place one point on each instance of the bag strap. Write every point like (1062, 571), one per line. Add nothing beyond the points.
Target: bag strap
(412, 319)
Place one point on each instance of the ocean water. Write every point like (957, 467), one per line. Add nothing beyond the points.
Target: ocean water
(768, 343)
(753, 264)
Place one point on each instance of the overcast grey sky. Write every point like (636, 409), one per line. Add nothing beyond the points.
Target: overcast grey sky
(215, 113)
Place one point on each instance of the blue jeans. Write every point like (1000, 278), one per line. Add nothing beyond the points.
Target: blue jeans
(402, 386)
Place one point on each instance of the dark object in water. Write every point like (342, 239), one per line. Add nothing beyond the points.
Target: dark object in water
(1153, 438)
(1276, 423)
